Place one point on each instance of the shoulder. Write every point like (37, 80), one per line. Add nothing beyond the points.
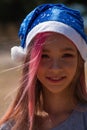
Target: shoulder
(7, 125)
(82, 108)
(82, 112)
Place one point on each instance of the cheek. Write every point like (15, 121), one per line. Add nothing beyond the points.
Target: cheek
(71, 67)
(44, 65)
(41, 70)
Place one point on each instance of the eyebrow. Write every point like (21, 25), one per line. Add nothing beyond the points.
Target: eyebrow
(46, 50)
(65, 49)
(68, 49)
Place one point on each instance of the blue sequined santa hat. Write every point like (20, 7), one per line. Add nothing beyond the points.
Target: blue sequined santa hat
(55, 18)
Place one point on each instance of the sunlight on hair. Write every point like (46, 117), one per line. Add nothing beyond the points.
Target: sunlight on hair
(16, 67)
(10, 69)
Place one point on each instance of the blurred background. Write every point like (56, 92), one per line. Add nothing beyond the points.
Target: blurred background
(12, 12)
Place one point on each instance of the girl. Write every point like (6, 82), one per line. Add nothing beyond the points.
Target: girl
(52, 94)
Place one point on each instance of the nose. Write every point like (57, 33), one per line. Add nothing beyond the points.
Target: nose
(56, 65)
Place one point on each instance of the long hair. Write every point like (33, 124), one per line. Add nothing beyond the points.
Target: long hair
(28, 101)
(80, 90)
(23, 108)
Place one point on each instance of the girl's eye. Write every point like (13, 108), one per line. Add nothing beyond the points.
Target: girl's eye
(68, 55)
(45, 56)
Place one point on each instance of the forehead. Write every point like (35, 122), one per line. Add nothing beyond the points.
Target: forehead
(57, 41)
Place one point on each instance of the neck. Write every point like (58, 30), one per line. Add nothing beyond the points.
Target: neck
(58, 103)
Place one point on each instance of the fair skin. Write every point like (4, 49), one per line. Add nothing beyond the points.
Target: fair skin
(56, 71)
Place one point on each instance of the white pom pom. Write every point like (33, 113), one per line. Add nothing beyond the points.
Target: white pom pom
(17, 53)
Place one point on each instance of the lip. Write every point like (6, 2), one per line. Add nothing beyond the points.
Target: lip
(55, 79)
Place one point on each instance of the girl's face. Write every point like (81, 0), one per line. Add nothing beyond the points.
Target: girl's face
(58, 63)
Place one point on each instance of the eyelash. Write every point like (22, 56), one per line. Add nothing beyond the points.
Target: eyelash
(45, 56)
(68, 55)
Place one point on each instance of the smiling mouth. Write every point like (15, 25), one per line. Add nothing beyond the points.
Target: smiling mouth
(56, 79)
